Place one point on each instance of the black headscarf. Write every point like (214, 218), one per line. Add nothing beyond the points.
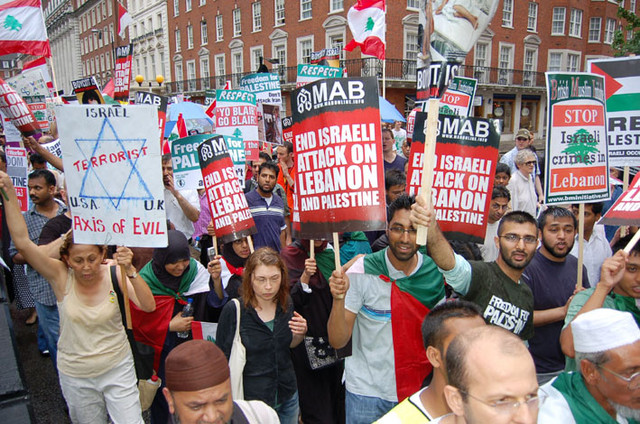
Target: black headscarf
(232, 257)
(176, 250)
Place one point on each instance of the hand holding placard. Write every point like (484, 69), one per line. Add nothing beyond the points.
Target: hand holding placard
(339, 284)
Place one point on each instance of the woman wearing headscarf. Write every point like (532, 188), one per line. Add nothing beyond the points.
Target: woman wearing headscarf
(318, 369)
(234, 255)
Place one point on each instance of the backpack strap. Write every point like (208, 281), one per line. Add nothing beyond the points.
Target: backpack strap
(116, 288)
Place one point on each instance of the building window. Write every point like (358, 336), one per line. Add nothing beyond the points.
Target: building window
(219, 65)
(507, 13)
(532, 19)
(575, 23)
(530, 66)
(176, 7)
(594, 29)
(219, 33)
(237, 25)
(179, 75)
(555, 62)
(609, 30)
(305, 9)
(257, 53)
(505, 63)
(187, 8)
(256, 9)
(336, 40)
(481, 62)
(573, 62)
(557, 21)
(204, 71)
(279, 51)
(632, 6)
(178, 41)
(237, 67)
(152, 57)
(413, 4)
(189, 36)
(411, 48)
(159, 21)
(203, 2)
(279, 8)
(305, 47)
(336, 5)
(191, 74)
(204, 37)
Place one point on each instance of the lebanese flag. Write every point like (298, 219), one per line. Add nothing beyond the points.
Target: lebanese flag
(367, 23)
(124, 20)
(23, 29)
(41, 64)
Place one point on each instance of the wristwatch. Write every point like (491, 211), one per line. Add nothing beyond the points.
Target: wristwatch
(132, 276)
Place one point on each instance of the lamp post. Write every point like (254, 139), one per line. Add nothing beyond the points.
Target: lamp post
(139, 79)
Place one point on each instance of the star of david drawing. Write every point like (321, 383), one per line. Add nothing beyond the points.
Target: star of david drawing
(95, 183)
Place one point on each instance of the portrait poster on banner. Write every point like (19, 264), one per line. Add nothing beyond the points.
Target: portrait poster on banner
(458, 98)
(160, 102)
(311, 73)
(265, 86)
(122, 80)
(186, 166)
(230, 212)
(577, 164)
(326, 57)
(337, 140)
(464, 166)
(237, 116)
(626, 210)
(622, 85)
(271, 124)
(17, 168)
(112, 166)
(87, 91)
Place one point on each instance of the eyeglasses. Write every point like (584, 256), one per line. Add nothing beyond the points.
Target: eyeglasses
(508, 407)
(522, 139)
(514, 238)
(633, 381)
(530, 163)
(399, 231)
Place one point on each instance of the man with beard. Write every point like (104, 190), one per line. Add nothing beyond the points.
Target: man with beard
(267, 210)
(552, 276)
(495, 286)
(499, 205)
(182, 206)
(607, 387)
(198, 389)
(380, 304)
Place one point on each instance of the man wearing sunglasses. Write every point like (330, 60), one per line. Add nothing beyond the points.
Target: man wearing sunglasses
(607, 387)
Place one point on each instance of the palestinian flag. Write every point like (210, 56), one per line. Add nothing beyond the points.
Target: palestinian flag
(367, 23)
(22, 28)
(622, 82)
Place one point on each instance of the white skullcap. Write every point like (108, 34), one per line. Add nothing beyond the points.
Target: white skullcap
(603, 329)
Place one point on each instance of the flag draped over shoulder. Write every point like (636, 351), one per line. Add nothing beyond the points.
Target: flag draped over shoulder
(367, 23)
(124, 20)
(22, 28)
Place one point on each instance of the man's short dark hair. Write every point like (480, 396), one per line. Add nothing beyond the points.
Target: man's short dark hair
(48, 176)
(394, 177)
(289, 146)
(500, 192)
(622, 243)
(555, 212)
(504, 168)
(387, 130)
(37, 158)
(596, 207)
(166, 157)
(265, 156)
(269, 165)
(401, 202)
(434, 330)
(518, 217)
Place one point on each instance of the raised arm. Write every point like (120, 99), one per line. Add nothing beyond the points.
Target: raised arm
(438, 246)
(139, 291)
(340, 324)
(54, 160)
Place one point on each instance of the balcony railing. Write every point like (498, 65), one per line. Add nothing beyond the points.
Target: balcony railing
(397, 70)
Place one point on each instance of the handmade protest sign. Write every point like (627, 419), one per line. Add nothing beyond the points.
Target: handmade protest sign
(122, 79)
(337, 141)
(458, 98)
(265, 86)
(465, 159)
(230, 213)
(30, 83)
(626, 210)
(577, 165)
(311, 73)
(186, 166)
(17, 166)
(15, 108)
(87, 91)
(160, 102)
(237, 116)
(113, 171)
(622, 84)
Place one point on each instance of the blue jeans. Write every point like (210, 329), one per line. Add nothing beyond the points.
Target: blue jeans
(289, 410)
(365, 409)
(49, 322)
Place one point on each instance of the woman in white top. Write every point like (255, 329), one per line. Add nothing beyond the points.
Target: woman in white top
(521, 185)
(95, 363)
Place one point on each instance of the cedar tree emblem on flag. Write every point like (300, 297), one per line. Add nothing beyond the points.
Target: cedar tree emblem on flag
(12, 24)
(367, 23)
(22, 28)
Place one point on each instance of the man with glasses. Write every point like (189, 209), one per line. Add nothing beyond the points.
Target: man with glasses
(607, 387)
(397, 285)
(492, 379)
(495, 286)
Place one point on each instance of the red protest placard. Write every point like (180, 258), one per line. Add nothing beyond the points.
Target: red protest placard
(464, 166)
(625, 210)
(122, 78)
(15, 108)
(338, 148)
(232, 219)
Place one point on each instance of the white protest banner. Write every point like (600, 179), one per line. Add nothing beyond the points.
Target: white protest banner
(54, 147)
(265, 86)
(112, 165)
(622, 84)
(17, 166)
(11, 133)
(577, 165)
(458, 98)
(30, 83)
(311, 73)
(186, 166)
(237, 117)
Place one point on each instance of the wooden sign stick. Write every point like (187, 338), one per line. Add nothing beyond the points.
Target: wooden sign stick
(250, 241)
(430, 129)
(580, 244)
(336, 249)
(312, 249)
(632, 242)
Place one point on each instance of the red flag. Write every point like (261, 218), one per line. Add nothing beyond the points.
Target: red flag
(182, 127)
(124, 20)
(151, 328)
(23, 29)
(109, 88)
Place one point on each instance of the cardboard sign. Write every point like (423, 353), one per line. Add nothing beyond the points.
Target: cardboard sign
(122, 80)
(112, 165)
(338, 146)
(17, 168)
(186, 166)
(458, 98)
(230, 212)
(237, 116)
(577, 163)
(622, 84)
(87, 91)
(14, 107)
(311, 73)
(626, 210)
(160, 102)
(465, 163)
(265, 86)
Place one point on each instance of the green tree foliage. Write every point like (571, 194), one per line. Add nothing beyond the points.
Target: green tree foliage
(621, 46)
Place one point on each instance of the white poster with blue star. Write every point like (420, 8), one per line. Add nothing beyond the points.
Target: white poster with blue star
(112, 165)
